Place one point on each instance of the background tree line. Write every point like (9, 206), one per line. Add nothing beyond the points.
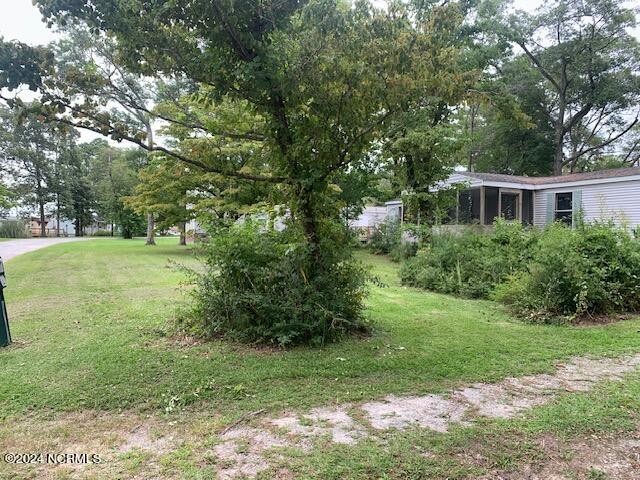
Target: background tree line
(49, 172)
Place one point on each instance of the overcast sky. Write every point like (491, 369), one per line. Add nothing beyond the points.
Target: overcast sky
(20, 20)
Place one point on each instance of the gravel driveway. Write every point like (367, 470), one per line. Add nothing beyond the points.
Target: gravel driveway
(13, 248)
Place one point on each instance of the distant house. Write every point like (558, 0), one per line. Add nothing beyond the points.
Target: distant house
(66, 228)
(51, 227)
(601, 195)
(35, 226)
(373, 216)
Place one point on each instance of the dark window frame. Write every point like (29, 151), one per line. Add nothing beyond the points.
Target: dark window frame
(563, 215)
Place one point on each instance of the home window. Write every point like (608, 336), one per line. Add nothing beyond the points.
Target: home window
(510, 205)
(564, 208)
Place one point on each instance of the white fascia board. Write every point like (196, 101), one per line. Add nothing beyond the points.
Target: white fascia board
(516, 185)
(547, 186)
(478, 182)
(578, 183)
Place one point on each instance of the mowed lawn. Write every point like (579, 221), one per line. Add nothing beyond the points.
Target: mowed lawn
(93, 324)
(93, 329)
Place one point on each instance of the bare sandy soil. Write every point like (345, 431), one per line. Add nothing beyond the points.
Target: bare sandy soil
(246, 449)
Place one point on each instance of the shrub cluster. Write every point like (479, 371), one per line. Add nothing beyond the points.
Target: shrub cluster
(399, 241)
(469, 264)
(542, 275)
(386, 237)
(591, 270)
(13, 229)
(267, 287)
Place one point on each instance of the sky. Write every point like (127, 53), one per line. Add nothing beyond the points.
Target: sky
(20, 20)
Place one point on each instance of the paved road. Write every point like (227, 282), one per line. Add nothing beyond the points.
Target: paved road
(13, 248)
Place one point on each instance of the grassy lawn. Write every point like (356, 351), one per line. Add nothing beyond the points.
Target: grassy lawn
(92, 328)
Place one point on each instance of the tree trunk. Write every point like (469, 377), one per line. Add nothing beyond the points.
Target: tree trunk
(473, 112)
(43, 225)
(151, 234)
(558, 156)
(310, 229)
(183, 233)
(57, 214)
(40, 200)
(151, 240)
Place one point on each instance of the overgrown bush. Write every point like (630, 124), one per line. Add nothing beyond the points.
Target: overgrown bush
(591, 270)
(412, 238)
(386, 236)
(267, 287)
(470, 264)
(399, 241)
(101, 233)
(13, 229)
(542, 275)
(404, 250)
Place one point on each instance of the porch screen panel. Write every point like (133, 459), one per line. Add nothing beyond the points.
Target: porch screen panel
(490, 204)
(510, 205)
(469, 206)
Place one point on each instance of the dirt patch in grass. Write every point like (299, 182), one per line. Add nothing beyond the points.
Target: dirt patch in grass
(145, 437)
(430, 411)
(333, 423)
(504, 399)
(241, 453)
(606, 457)
(591, 320)
(163, 446)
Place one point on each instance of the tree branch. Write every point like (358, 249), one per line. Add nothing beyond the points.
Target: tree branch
(106, 129)
(606, 142)
(539, 65)
(577, 117)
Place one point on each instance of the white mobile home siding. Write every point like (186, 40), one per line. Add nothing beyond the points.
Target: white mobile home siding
(617, 201)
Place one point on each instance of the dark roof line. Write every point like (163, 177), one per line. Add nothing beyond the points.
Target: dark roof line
(572, 177)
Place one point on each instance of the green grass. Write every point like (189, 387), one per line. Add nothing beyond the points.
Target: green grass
(91, 323)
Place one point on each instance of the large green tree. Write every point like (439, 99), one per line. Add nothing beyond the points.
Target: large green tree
(318, 82)
(93, 64)
(27, 145)
(586, 63)
(81, 195)
(164, 187)
(113, 175)
(504, 127)
(326, 78)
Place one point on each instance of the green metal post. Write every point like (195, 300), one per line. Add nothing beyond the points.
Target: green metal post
(5, 333)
